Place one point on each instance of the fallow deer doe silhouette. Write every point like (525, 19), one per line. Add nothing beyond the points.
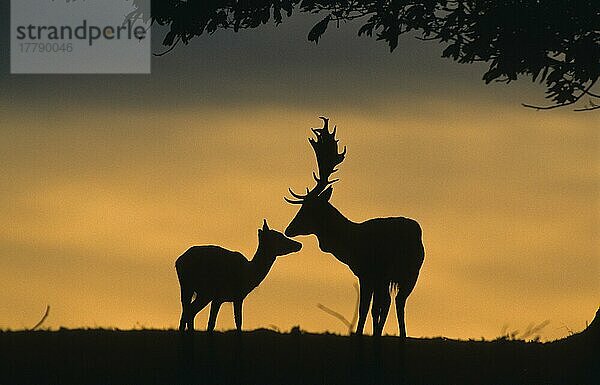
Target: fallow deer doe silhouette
(385, 254)
(219, 275)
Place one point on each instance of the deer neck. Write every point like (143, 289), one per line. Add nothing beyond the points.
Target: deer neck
(260, 266)
(335, 235)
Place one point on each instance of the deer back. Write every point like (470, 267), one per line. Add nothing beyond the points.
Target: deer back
(213, 270)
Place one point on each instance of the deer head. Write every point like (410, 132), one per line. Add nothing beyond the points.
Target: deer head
(276, 243)
(316, 201)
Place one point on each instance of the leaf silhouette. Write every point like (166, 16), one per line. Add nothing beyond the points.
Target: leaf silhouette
(319, 29)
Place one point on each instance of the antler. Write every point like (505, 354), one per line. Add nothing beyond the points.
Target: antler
(326, 151)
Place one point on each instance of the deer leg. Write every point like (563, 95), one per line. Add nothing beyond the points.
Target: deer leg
(195, 307)
(404, 291)
(214, 310)
(384, 306)
(376, 312)
(381, 300)
(186, 299)
(400, 304)
(366, 292)
(237, 313)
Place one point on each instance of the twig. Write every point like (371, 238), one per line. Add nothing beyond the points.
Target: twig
(541, 326)
(587, 108)
(571, 332)
(547, 107)
(274, 327)
(335, 314)
(533, 329)
(350, 324)
(577, 98)
(37, 325)
(171, 48)
(355, 316)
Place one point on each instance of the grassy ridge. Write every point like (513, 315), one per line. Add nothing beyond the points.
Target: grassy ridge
(267, 357)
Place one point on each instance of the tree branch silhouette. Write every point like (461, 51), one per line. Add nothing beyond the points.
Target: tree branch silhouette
(555, 43)
(593, 107)
(171, 48)
(586, 91)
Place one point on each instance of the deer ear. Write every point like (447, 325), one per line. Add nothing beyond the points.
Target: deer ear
(326, 195)
(265, 226)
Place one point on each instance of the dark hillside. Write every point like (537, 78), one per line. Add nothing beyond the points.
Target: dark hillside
(265, 357)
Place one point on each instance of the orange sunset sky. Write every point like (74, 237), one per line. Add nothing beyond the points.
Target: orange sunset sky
(106, 180)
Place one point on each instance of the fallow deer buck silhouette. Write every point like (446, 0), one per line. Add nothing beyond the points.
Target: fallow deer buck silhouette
(219, 275)
(385, 254)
